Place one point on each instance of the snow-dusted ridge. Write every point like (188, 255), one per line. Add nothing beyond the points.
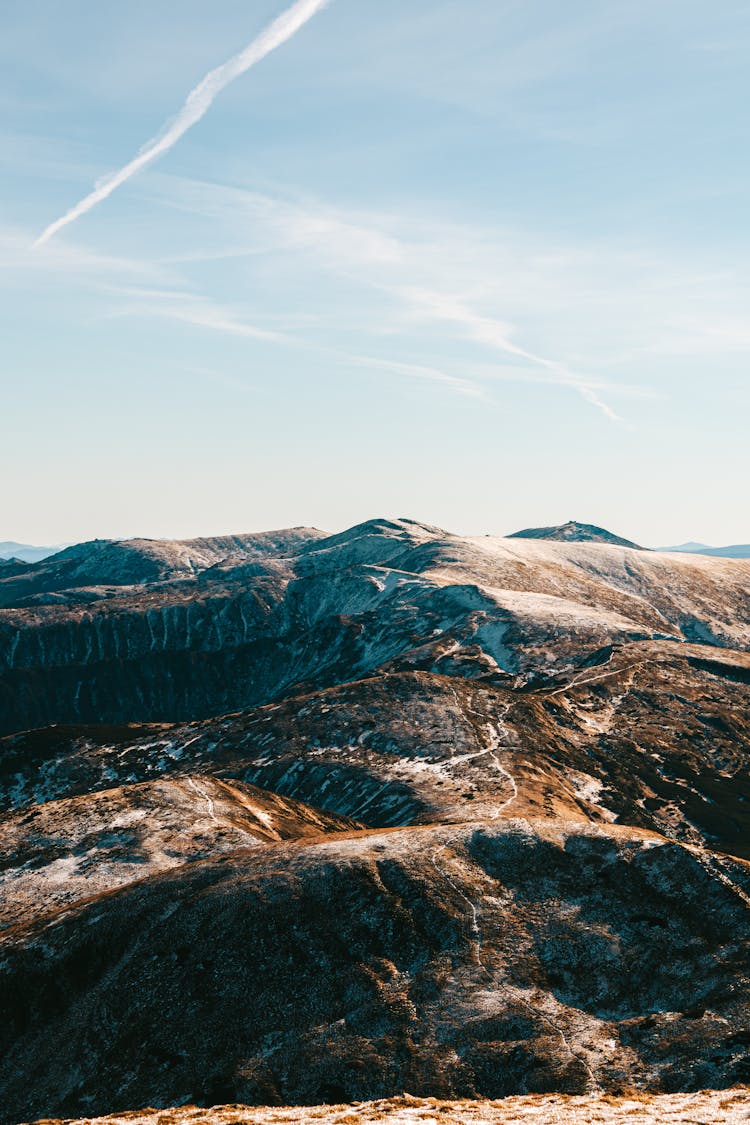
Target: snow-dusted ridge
(299, 607)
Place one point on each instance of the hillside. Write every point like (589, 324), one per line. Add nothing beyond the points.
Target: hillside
(90, 637)
(59, 851)
(304, 819)
(476, 960)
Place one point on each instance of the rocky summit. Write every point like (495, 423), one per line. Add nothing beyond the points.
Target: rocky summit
(295, 819)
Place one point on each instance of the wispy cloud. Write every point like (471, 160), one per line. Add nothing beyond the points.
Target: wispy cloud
(189, 308)
(398, 271)
(72, 262)
(495, 334)
(457, 307)
(417, 371)
(201, 312)
(196, 105)
(366, 249)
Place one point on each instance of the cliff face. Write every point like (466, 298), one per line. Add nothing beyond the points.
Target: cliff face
(187, 633)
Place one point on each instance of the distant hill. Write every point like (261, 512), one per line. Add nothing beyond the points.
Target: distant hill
(733, 551)
(25, 552)
(574, 532)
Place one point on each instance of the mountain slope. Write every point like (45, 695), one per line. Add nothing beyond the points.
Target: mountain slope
(391, 809)
(457, 961)
(383, 596)
(66, 851)
(652, 734)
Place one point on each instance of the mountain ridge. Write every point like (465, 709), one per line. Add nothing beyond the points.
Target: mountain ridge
(26, 552)
(311, 818)
(148, 631)
(732, 551)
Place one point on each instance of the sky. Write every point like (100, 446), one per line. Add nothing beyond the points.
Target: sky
(485, 265)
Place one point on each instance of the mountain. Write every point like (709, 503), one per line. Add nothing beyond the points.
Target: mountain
(144, 631)
(420, 748)
(481, 959)
(574, 532)
(735, 551)
(293, 819)
(23, 552)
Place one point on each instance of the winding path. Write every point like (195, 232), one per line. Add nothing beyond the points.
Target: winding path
(202, 793)
(494, 735)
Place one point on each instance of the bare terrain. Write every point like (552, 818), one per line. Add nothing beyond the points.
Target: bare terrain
(729, 1107)
(293, 819)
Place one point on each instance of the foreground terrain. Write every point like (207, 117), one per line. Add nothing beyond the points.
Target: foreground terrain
(730, 1107)
(302, 819)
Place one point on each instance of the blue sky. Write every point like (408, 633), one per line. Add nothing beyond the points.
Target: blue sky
(482, 264)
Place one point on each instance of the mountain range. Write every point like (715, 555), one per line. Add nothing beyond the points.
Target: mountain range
(24, 552)
(572, 531)
(734, 551)
(294, 818)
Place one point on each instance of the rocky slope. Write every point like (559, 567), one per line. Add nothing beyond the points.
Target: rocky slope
(476, 826)
(653, 734)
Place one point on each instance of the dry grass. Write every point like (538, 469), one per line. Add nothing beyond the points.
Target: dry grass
(714, 1107)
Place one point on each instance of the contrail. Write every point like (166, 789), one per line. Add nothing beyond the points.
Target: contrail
(195, 106)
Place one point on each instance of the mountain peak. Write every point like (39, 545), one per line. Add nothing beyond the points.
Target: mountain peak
(575, 532)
